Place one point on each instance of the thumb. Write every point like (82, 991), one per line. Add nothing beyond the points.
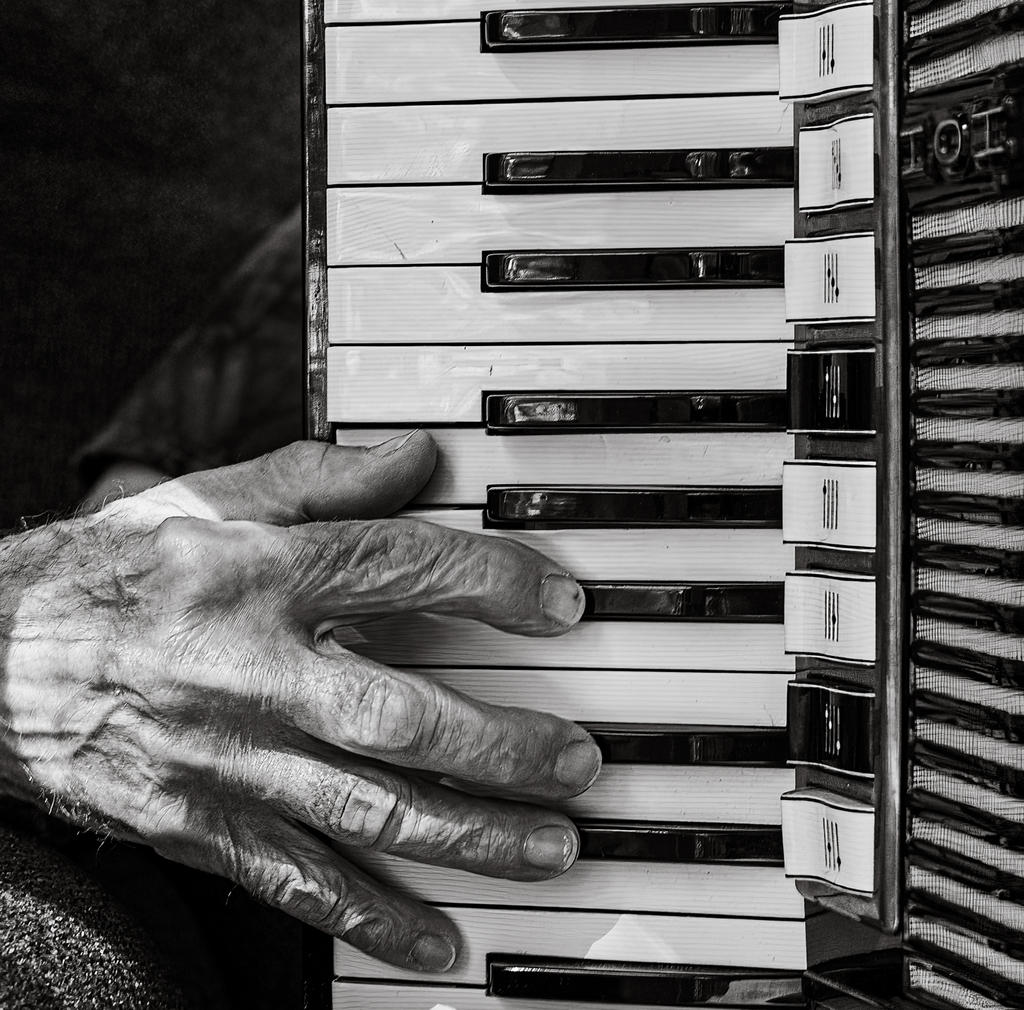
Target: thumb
(308, 481)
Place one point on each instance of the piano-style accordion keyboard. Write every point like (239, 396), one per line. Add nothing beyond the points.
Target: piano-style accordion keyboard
(716, 304)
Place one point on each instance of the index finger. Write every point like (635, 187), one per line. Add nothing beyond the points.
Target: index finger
(404, 719)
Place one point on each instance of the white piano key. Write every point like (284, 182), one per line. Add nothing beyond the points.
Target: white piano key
(379, 11)
(446, 143)
(829, 503)
(443, 62)
(378, 996)
(831, 838)
(434, 305)
(640, 554)
(836, 164)
(430, 640)
(404, 226)
(469, 459)
(831, 615)
(831, 279)
(721, 795)
(701, 698)
(678, 888)
(748, 943)
(425, 385)
(827, 52)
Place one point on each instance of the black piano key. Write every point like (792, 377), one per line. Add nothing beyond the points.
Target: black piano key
(673, 24)
(974, 403)
(874, 977)
(739, 602)
(831, 727)
(975, 508)
(993, 457)
(749, 845)
(980, 614)
(690, 745)
(993, 722)
(708, 168)
(572, 412)
(989, 561)
(982, 771)
(560, 508)
(832, 393)
(634, 268)
(519, 976)
(1005, 350)
(996, 670)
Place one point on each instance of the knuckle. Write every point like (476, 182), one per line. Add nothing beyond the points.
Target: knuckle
(389, 715)
(179, 537)
(372, 934)
(302, 894)
(304, 456)
(371, 812)
(508, 755)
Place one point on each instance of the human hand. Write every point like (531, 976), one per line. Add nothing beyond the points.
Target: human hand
(172, 675)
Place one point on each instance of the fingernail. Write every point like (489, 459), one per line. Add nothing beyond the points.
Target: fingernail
(578, 765)
(391, 445)
(551, 848)
(561, 598)
(433, 952)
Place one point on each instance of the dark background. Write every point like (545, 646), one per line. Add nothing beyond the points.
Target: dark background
(144, 147)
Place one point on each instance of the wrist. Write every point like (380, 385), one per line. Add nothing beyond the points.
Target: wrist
(46, 648)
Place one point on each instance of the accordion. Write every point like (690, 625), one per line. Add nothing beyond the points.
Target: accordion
(720, 305)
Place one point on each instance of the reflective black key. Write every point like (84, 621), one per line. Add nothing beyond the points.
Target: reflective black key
(519, 976)
(831, 727)
(708, 168)
(690, 745)
(971, 560)
(977, 403)
(554, 507)
(969, 508)
(747, 603)
(635, 268)
(832, 392)
(995, 669)
(972, 613)
(994, 457)
(751, 845)
(549, 413)
(675, 24)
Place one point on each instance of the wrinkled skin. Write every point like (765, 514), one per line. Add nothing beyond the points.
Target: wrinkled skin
(172, 674)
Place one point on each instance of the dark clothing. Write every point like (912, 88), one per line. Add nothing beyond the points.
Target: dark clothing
(230, 387)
